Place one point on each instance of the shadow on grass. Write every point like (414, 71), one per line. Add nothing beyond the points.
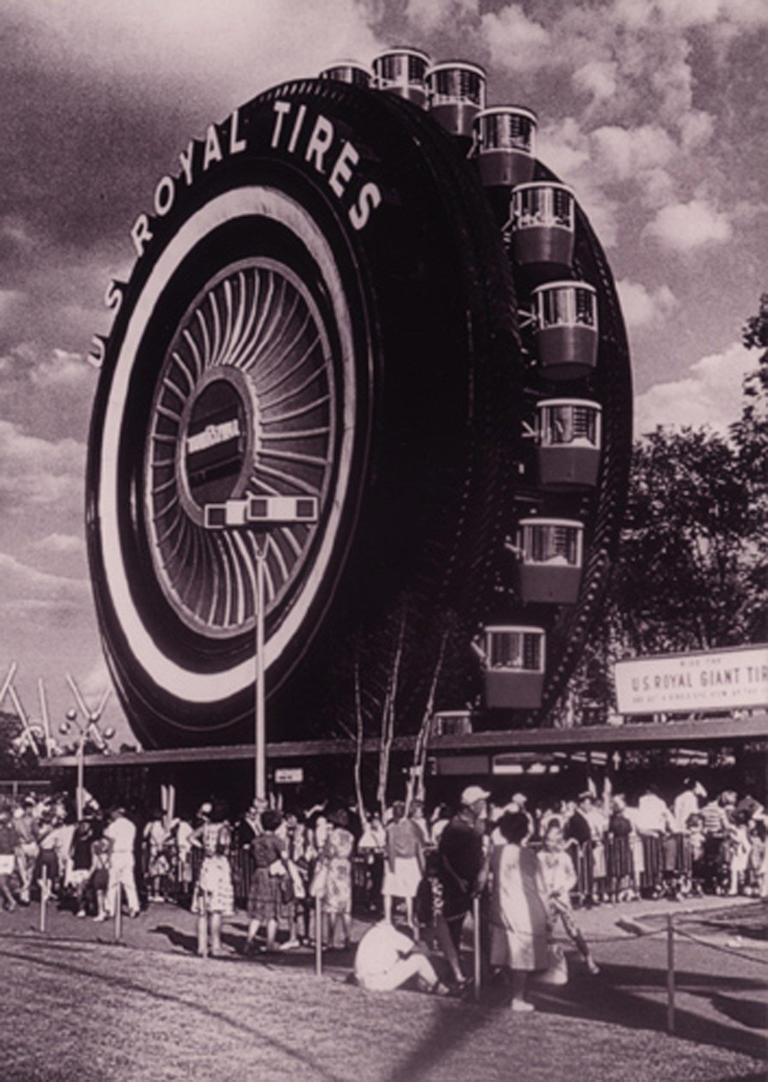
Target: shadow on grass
(748, 1012)
(610, 998)
(453, 1025)
(182, 940)
(128, 985)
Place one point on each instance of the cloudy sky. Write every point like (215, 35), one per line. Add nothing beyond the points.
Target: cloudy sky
(654, 110)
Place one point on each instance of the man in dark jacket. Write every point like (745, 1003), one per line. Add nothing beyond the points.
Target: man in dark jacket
(462, 870)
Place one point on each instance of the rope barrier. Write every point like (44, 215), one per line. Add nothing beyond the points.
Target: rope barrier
(723, 950)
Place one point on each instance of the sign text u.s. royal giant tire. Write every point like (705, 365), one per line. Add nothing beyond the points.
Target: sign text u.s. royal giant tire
(320, 306)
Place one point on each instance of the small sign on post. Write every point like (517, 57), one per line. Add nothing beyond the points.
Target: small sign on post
(289, 775)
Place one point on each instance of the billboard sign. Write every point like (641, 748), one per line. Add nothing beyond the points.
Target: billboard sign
(703, 680)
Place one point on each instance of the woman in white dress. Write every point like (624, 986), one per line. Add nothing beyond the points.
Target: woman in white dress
(518, 911)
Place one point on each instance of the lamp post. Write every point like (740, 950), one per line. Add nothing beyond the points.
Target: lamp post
(83, 731)
(263, 511)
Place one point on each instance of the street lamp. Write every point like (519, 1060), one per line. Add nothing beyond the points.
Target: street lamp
(261, 511)
(91, 727)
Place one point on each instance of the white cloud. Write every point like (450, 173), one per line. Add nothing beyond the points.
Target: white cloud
(38, 471)
(711, 394)
(235, 47)
(598, 78)
(686, 226)
(621, 153)
(14, 229)
(696, 128)
(565, 149)
(429, 15)
(516, 43)
(61, 367)
(644, 307)
(23, 584)
(60, 543)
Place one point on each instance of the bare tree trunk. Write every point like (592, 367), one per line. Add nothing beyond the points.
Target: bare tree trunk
(415, 788)
(359, 737)
(388, 719)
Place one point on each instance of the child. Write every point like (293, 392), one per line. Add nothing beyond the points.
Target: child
(696, 838)
(100, 876)
(739, 846)
(559, 878)
(81, 862)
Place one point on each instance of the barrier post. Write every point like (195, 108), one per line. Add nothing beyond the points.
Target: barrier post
(670, 974)
(43, 899)
(477, 958)
(318, 935)
(118, 913)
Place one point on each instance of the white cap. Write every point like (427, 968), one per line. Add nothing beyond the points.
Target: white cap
(473, 793)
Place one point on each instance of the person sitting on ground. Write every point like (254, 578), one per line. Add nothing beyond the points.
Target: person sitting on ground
(387, 959)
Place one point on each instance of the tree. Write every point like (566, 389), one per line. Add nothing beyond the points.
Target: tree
(686, 574)
(750, 436)
(692, 571)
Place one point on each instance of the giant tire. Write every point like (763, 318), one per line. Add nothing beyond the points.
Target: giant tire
(405, 332)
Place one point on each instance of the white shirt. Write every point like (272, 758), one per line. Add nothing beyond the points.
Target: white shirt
(379, 949)
(122, 833)
(686, 803)
(653, 815)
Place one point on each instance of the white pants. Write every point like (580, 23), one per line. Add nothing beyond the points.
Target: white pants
(121, 875)
(404, 968)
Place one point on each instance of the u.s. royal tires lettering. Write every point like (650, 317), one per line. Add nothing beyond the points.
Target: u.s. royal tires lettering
(311, 136)
(320, 307)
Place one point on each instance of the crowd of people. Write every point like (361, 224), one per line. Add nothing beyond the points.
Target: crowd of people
(531, 866)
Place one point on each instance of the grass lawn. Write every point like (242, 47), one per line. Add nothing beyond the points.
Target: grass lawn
(94, 1013)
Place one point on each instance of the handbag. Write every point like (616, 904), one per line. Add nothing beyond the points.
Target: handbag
(286, 889)
(299, 890)
(556, 972)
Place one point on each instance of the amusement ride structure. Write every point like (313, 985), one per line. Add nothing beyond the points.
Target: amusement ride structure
(366, 401)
